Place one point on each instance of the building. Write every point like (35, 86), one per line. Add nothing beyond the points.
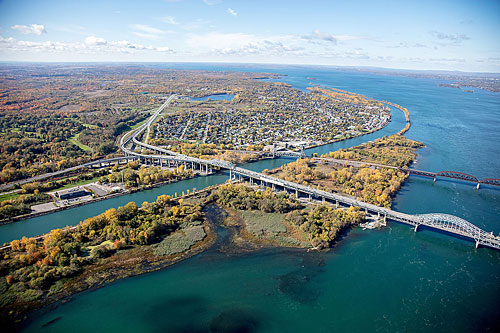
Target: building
(71, 193)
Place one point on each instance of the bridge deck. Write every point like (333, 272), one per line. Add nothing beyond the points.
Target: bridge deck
(443, 222)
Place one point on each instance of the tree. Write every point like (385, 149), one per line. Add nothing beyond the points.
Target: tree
(106, 148)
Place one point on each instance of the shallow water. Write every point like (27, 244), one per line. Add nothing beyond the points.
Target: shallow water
(374, 280)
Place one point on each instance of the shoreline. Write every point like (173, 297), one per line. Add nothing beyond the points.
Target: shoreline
(109, 196)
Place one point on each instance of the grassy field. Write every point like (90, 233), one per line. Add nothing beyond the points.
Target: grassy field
(138, 124)
(74, 140)
(8, 196)
(82, 182)
(260, 223)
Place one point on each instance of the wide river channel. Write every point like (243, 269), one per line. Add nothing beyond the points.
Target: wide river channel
(373, 280)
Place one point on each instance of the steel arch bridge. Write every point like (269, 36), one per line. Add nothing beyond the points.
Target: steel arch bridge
(458, 175)
(457, 225)
(445, 222)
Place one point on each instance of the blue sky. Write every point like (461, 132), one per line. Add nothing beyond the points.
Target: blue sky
(438, 34)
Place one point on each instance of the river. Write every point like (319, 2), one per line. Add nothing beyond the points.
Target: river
(385, 280)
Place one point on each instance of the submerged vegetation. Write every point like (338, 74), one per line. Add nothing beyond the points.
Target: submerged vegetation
(33, 269)
(130, 240)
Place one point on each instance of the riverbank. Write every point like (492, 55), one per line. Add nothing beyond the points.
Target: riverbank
(94, 200)
(100, 260)
(92, 266)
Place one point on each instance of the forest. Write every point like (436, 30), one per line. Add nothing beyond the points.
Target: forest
(321, 224)
(34, 268)
(135, 176)
(395, 150)
(370, 184)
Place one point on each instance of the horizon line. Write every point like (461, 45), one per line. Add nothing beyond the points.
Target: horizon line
(249, 63)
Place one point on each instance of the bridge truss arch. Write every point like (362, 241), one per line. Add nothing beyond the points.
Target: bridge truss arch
(490, 181)
(458, 175)
(457, 225)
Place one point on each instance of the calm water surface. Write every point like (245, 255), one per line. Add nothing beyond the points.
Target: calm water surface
(387, 280)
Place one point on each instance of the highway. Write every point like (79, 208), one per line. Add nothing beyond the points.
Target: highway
(443, 222)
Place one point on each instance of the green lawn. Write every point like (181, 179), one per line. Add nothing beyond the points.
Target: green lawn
(8, 196)
(82, 182)
(138, 124)
(74, 140)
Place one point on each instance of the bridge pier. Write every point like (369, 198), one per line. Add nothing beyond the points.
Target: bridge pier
(434, 179)
(416, 227)
(477, 187)
(477, 244)
(297, 194)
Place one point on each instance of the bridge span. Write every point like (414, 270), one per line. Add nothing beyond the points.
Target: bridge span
(443, 222)
(433, 175)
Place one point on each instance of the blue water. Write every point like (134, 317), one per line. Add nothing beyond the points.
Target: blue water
(217, 97)
(384, 280)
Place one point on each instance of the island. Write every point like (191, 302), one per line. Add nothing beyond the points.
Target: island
(132, 240)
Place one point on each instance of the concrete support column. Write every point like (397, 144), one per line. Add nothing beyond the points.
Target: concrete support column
(416, 228)
(297, 194)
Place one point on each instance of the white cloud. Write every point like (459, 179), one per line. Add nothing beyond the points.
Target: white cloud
(242, 44)
(169, 20)
(232, 12)
(147, 32)
(319, 36)
(212, 2)
(215, 40)
(164, 49)
(36, 29)
(148, 29)
(451, 38)
(196, 24)
(93, 40)
(90, 45)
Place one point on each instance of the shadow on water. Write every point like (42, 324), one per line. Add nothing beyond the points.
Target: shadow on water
(190, 315)
(300, 284)
(182, 316)
(236, 320)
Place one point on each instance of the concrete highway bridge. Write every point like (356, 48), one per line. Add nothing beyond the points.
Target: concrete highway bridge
(442, 222)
